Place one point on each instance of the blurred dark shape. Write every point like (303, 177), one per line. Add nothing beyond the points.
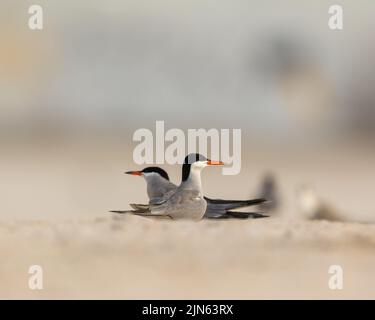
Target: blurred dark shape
(312, 207)
(282, 55)
(268, 191)
(359, 94)
(293, 73)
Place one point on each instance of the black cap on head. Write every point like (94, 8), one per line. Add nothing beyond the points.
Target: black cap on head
(194, 157)
(157, 170)
(189, 159)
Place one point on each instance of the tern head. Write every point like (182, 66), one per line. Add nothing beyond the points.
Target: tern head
(149, 172)
(196, 161)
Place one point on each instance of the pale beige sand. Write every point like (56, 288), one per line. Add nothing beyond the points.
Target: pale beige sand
(86, 253)
(134, 257)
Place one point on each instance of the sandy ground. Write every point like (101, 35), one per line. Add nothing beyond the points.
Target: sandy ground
(135, 257)
(54, 213)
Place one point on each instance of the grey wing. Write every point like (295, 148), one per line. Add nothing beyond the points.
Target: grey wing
(179, 204)
(235, 215)
(137, 206)
(145, 209)
(121, 211)
(136, 211)
(245, 215)
(141, 212)
(159, 200)
(216, 208)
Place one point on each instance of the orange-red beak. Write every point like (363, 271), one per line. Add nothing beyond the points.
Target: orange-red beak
(134, 173)
(215, 163)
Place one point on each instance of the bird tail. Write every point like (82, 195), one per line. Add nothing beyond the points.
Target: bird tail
(137, 206)
(138, 209)
(142, 211)
(233, 204)
(246, 215)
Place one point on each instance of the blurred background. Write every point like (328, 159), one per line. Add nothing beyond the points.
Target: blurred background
(72, 95)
